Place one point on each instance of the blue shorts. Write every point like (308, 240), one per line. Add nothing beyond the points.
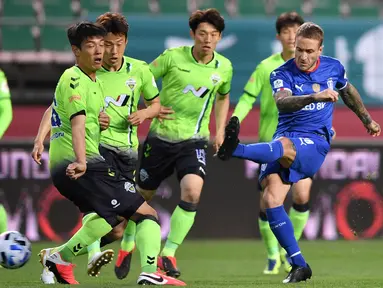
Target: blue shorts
(311, 152)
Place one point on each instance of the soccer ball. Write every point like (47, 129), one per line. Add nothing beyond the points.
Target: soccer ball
(15, 250)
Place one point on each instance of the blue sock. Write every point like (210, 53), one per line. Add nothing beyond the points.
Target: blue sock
(260, 152)
(283, 230)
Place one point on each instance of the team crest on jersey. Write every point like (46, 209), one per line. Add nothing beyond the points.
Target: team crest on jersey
(131, 83)
(215, 78)
(330, 84)
(316, 87)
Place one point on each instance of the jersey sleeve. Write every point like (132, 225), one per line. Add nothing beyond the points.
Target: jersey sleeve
(72, 97)
(252, 89)
(342, 78)
(255, 84)
(4, 89)
(280, 81)
(161, 65)
(226, 86)
(149, 89)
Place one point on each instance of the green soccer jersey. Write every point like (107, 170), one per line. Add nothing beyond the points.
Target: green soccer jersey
(5, 104)
(122, 91)
(259, 82)
(76, 93)
(189, 88)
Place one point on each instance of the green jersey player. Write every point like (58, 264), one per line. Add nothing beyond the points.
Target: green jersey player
(5, 120)
(192, 79)
(93, 185)
(259, 83)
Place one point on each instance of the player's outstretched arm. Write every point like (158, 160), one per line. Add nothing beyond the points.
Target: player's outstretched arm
(44, 128)
(286, 102)
(352, 99)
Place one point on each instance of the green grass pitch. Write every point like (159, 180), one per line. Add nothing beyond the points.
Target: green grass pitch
(236, 264)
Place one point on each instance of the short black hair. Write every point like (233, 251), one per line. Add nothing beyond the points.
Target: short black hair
(288, 19)
(311, 30)
(79, 32)
(211, 16)
(115, 23)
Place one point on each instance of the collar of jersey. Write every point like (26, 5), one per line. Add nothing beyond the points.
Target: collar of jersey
(122, 66)
(82, 71)
(195, 60)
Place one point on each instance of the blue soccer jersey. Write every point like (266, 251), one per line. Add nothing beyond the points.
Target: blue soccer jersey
(314, 117)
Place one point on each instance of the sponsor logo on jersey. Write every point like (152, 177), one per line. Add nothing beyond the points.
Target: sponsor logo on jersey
(316, 87)
(215, 78)
(131, 83)
(121, 100)
(74, 98)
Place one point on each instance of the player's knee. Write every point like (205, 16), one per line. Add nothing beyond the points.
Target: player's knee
(188, 206)
(118, 231)
(145, 210)
(191, 187)
(289, 149)
(147, 194)
(271, 200)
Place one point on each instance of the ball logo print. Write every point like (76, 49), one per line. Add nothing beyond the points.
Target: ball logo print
(15, 250)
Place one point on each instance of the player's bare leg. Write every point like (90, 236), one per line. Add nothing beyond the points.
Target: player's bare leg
(181, 222)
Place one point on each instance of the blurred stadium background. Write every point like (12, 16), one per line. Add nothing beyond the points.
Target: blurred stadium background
(347, 194)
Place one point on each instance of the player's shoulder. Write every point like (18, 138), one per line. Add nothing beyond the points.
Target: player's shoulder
(327, 60)
(134, 61)
(176, 51)
(285, 68)
(2, 74)
(71, 74)
(222, 61)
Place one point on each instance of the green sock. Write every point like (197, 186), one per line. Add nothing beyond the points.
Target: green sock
(180, 225)
(269, 239)
(148, 239)
(93, 248)
(127, 242)
(94, 228)
(299, 220)
(3, 219)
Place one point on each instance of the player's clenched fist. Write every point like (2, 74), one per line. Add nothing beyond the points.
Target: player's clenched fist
(373, 128)
(327, 95)
(37, 151)
(75, 170)
(104, 120)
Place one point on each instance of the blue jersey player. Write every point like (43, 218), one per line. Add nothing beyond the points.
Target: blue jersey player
(304, 91)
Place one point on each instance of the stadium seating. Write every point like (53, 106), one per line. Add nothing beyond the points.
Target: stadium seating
(138, 6)
(18, 8)
(17, 38)
(54, 38)
(57, 8)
